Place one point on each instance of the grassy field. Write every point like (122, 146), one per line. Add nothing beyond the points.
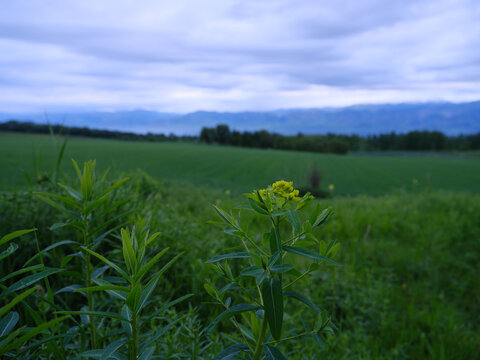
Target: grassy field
(409, 285)
(240, 169)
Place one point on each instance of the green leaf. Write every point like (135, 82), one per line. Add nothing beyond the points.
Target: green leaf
(16, 300)
(323, 217)
(237, 255)
(14, 235)
(63, 199)
(168, 305)
(10, 250)
(163, 269)
(224, 216)
(309, 254)
(134, 297)
(145, 295)
(104, 288)
(29, 280)
(254, 271)
(30, 334)
(293, 218)
(148, 265)
(231, 351)
(128, 252)
(8, 322)
(282, 268)
(303, 299)
(147, 353)
(257, 208)
(274, 258)
(236, 309)
(273, 305)
(22, 271)
(48, 248)
(112, 348)
(126, 324)
(105, 314)
(272, 353)
(108, 262)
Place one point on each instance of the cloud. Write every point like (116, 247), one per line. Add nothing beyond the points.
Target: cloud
(235, 55)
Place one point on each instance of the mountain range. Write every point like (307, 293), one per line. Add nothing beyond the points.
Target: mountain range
(449, 118)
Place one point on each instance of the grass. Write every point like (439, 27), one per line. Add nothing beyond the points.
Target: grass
(409, 287)
(241, 170)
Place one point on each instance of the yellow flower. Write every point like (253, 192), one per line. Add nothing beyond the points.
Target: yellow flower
(331, 187)
(227, 192)
(415, 182)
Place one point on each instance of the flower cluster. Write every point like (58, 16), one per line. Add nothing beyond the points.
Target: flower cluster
(283, 189)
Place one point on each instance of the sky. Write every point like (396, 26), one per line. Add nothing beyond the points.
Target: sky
(182, 56)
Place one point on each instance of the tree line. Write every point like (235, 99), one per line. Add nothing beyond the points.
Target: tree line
(341, 144)
(223, 135)
(29, 127)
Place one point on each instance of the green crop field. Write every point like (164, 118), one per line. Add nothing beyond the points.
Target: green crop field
(408, 288)
(241, 170)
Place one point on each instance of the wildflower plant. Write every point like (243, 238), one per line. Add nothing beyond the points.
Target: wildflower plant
(268, 272)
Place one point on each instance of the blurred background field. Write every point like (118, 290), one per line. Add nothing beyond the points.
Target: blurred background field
(241, 170)
(409, 287)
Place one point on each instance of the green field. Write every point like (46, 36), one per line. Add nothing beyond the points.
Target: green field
(408, 289)
(239, 169)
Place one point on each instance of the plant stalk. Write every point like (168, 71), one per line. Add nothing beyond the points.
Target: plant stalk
(261, 337)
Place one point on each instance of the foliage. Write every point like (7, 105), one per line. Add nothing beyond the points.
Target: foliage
(258, 289)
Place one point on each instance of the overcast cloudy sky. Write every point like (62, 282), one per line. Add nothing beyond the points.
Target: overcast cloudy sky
(181, 56)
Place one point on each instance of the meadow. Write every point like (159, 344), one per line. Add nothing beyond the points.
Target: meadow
(408, 287)
(241, 170)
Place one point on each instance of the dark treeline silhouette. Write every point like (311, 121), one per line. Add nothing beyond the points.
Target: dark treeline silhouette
(29, 127)
(341, 144)
(330, 143)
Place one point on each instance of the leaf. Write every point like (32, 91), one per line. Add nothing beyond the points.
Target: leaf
(163, 269)
(148, 265)
(309, 254)
(134, 297)
(254, 271)
(303, 299)
(105, 314)
(14, 235)
(282, 268)
(127, 314)
(237, 255)
(169, 304)
(10, 250)
(273, 305)
(128, 252)
(147, 353)
(29, 280)
(30, 334)
(323, 217)
(272, 353)
(63, 199)
(22, 271)
(8, 322)
(69, 288)
(293, 218)
(146, 292)
(274, 258)
(96, 354)
(112, 348)
(257, 208)
(48, 248)
(231, 351)
(236, 309)
(16, 300)
(108, 262)
(224, 216)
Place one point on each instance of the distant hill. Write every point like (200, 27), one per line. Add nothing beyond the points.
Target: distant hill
(449, 118)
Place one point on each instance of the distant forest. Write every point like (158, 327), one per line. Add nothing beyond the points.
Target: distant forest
(329, 143)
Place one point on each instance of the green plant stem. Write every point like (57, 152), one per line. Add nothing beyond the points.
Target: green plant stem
(88, 283)
(261, 337)
(134, 348)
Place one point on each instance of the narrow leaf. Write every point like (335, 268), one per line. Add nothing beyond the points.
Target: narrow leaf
(273, 304)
